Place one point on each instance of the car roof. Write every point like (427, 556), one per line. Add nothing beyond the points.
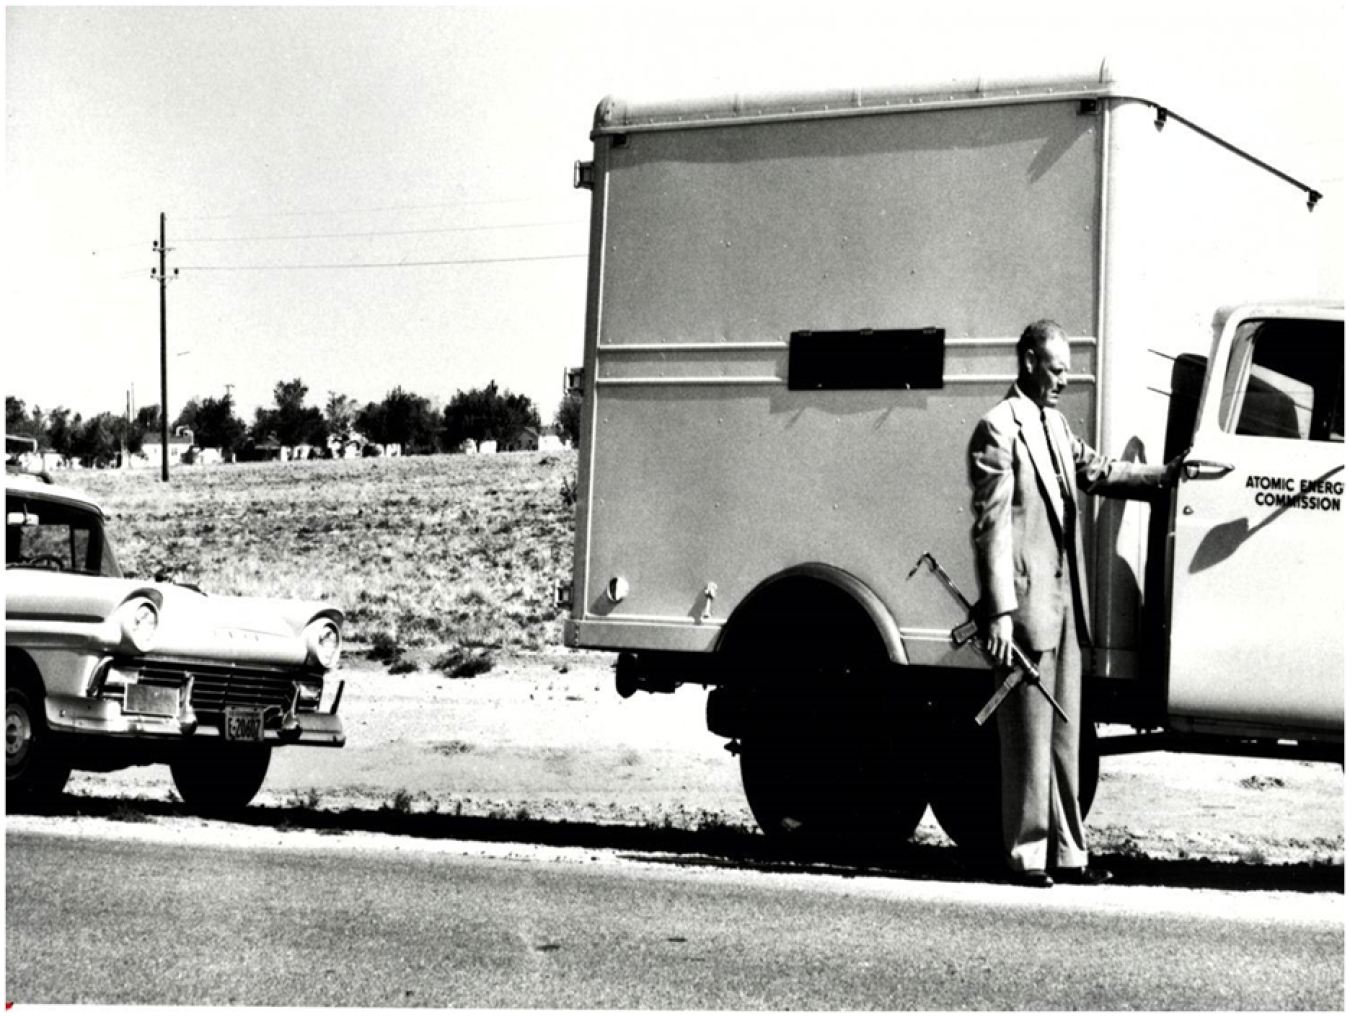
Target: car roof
(30, 485)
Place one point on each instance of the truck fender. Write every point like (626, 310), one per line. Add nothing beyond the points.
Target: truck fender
(862, 594)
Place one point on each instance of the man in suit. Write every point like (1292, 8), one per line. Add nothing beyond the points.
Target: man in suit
(1025, 467)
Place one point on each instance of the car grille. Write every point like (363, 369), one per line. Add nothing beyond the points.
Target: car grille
(214, 688)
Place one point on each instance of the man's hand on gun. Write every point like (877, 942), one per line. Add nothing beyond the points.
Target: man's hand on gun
(997, 646)
(1000, 640)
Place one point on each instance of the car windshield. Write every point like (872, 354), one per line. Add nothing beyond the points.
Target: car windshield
(43, 534)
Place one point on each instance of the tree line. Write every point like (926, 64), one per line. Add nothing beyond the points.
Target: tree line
(402, 418)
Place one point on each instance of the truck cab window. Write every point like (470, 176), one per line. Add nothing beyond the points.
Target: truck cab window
(1285, 379)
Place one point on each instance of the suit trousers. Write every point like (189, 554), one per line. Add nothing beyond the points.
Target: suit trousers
(1042, 823)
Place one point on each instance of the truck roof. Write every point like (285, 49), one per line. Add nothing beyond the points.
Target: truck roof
(1104, 77)
(1099, 80)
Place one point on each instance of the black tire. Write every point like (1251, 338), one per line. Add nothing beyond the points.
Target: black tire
(964, 784)
(36, 769)
(964, 791)
(833, 770)
(216, 778)
(827, 740)
(828, 798)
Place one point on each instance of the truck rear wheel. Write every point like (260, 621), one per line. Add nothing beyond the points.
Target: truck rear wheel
(964, 781)
(828, 746)
(828, 796)
(836, 773)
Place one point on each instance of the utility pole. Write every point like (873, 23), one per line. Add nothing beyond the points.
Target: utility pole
(163, 351)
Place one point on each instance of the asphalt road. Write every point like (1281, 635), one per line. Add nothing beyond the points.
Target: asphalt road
(214, 914)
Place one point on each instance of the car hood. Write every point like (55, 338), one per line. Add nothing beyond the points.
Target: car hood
(192, 625)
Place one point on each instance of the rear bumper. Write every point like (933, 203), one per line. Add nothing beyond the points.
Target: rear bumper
(76, 715)
(688, 635)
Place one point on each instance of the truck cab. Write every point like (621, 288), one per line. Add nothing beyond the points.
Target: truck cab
(1256, 544)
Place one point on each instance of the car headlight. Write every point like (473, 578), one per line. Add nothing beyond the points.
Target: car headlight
(324, 642)
(139, 621)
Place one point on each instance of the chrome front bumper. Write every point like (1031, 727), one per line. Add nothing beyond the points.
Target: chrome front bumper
(103, 717)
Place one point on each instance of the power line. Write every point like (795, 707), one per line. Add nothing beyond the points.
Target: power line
(134, 273)
(121, 247)
(377, 264)
(383, 233)
(358, 211)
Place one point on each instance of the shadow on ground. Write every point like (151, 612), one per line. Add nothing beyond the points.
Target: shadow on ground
(716, 846)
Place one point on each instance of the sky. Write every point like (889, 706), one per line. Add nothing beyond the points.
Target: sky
(380, 197)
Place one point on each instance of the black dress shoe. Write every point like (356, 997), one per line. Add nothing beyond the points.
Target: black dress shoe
(1031, 877)
(1085, 876)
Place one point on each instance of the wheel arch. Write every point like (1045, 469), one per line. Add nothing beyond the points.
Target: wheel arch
(809, 592)
(21, 670)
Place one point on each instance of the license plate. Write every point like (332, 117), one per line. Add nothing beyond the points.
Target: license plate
(243, 725)
(151, 701)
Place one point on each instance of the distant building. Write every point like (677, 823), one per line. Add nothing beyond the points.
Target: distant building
(23, 454)
(534, 439)
(207, 456)
(17, 444)
(268, 450)
(345, 448)
(152, 450)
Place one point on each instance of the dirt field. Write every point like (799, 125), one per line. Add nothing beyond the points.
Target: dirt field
(544, 736)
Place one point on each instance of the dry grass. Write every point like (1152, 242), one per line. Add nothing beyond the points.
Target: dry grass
(457, 556)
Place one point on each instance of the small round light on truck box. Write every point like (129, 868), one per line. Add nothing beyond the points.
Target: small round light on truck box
(616, 589)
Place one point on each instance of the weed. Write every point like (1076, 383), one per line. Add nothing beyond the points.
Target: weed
(1261, 783)
(453, 748)
(384, 647)
(458, 664)
(402, 666)
(716, 822)
(1254, 856)
(125, 813)
(568, 492)
(308, 800)
(402, 802)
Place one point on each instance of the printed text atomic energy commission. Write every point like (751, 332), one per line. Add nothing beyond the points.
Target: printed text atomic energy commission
(1285, 492)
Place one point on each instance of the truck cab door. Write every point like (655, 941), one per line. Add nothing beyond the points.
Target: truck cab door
(1257, 598)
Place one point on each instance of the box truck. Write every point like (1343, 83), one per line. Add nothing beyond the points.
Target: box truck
(798, 308)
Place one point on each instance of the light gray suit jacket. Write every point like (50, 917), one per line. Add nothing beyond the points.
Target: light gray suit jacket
(1020, 522)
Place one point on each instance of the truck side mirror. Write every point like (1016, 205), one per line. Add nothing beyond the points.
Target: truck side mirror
(572, 381)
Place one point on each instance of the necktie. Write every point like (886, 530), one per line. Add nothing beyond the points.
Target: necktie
(1070, 529)
(1064, 491)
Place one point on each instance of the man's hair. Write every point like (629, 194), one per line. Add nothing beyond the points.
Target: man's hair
(1038, 333)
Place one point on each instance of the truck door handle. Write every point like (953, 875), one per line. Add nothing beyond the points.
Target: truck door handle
(1205, 469)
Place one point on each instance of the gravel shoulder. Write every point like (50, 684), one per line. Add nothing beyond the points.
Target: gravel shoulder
(545, 737)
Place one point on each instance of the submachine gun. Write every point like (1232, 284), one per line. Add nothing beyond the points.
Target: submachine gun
(1023, 670)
